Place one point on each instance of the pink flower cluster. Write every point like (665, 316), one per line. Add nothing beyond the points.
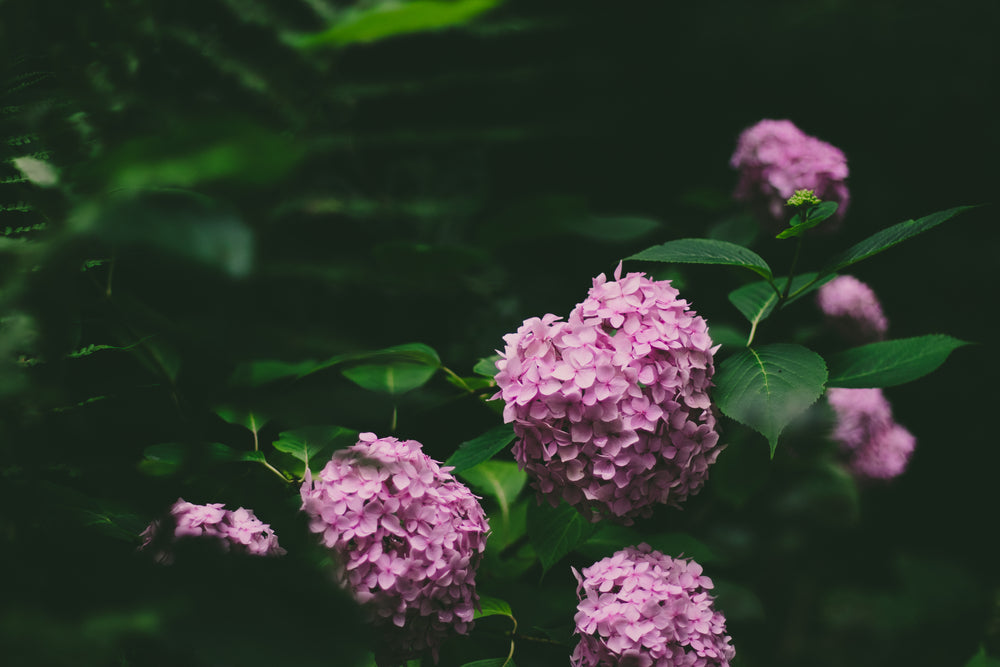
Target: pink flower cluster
(775, 159)
(877, 447)
(408, 538)
(239, 531)
(642, 608)
(611, 407)
(851, 307)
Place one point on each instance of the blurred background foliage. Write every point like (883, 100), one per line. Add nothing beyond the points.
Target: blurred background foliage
(211, 211)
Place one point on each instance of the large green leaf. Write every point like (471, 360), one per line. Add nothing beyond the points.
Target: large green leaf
(388, 19)
(481, 448)
(891, 362)
(491, 662)
(556, 531)
(765, 388)
(706, 251)
(887, 238)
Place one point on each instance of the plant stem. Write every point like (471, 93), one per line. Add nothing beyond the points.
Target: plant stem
(457, 379)
(791, 270)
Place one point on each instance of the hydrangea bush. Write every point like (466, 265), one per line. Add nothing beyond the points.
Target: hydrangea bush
(614, 414)
(611, 407)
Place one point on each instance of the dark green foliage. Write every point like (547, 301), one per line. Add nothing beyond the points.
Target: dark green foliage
(221, 224)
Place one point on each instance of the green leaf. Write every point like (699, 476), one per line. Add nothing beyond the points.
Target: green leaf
(407, 355)
(397, 378)
(983, 659)
(487, 366)
(706, 251)
(727, 336)
(500, 480)
(490, 606)
(389, 19)
(756, 301)
(613, 229)
(889, 237)
(765, 388)
(263, 371)
(305, 443)
(163, 459)
(481, 448)
(248, 419)
(891, 362)
(814, 215)
(556, 531)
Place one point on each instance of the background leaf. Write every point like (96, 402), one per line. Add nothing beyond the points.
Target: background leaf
(706, 251)
(892, 362)
(556, 531)
(390, 19)
(765, 388)
(481, 448)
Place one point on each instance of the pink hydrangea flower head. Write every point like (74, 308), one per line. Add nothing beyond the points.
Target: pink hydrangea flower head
(852, 308)
(611, 406)
(408, 538)
(640, 607)
(775, 158)
(886, 455)
(240, 531)
(876, 447)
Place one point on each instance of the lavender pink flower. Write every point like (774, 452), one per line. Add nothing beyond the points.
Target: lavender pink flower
(237, 531)
(611, 407)
(407, 536)
(851, 307)
(876, 447)
(639, 607)
(775, 158)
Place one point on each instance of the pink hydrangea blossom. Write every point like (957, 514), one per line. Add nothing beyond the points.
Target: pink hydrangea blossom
(611, 406)
(875, 446)
(639, 607)
(238, 531)
(852, 308)
(408, 538)
(775, 158)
